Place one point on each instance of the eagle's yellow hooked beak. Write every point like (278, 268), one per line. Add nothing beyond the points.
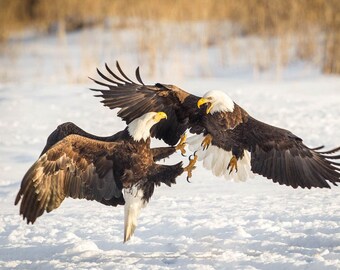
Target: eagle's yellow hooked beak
(202, 101)
(159, 116)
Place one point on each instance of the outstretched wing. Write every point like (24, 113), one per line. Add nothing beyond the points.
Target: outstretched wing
(69, 128)
(275, 153)
(281, 156)
(135, 99)
(75, 167)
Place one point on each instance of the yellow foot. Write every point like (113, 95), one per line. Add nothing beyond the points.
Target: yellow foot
(191, 166)
(181, 145)
(206, 141)
(232, 164)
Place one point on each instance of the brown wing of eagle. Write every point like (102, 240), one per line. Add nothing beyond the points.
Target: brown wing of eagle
(135, 99)
(281, 156)
(75, 167)
(275, 153)
(69, 128)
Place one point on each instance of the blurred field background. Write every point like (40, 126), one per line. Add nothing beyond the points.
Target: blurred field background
(260, 34)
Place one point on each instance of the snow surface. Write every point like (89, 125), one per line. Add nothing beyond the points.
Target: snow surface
(207, 224)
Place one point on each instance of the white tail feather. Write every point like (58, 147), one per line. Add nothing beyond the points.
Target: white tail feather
(220, 168)
(208, 158)
(216, 159)
(133, 205)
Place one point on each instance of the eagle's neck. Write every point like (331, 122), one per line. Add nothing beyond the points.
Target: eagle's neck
(139, 129)
(220, 101)
(223, 107)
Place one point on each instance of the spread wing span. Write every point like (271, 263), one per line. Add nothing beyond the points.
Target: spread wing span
(135, 99)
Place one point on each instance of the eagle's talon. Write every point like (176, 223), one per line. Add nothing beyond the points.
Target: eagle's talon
(181, 145)
(206, 141)
(193, 155)
(232, 164)
(191, 166)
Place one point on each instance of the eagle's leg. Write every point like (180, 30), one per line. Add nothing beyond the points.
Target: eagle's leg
(232, 164)
(206, 141)
(191, 166)
(238, 153)
(181, 145)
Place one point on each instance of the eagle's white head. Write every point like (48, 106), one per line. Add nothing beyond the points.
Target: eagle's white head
(217, 101)
(139, 128)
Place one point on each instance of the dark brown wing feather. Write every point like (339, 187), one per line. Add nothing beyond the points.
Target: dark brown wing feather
(275, 153)
(75, 167)
(69, 128)
(135, 99)
(281, 156)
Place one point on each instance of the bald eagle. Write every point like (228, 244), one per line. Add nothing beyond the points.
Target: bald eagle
(80, 167)
(228, 139)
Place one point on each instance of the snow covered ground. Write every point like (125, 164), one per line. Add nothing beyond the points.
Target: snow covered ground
(206, 224)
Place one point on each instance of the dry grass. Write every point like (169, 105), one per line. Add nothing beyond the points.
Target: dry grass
(309, 20)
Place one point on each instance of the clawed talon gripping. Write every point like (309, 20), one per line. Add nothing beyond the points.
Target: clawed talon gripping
(191, 166)
(232, 164)
(181, 145)
(206, 141)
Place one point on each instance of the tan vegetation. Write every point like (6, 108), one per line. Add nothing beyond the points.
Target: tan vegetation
(306, 22)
